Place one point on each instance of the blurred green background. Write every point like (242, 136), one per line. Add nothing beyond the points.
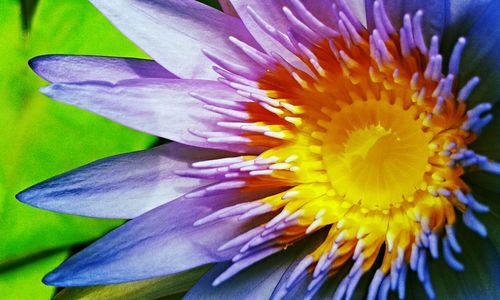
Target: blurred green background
(41, 138)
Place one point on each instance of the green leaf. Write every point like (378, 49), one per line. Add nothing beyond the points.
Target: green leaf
(145, 289)
(28, 8)
(22, 281)
(213, 3)
(42, 138)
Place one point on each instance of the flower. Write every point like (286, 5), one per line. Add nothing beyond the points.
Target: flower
(353, 141)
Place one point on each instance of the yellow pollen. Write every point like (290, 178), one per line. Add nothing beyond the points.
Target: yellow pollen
(375, 153)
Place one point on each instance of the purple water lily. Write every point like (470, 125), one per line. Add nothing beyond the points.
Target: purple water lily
(319, 148)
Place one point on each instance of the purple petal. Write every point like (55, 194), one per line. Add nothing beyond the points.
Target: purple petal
(258, 281)
(322, 9)
(160, 242)
(295, 286)
(76, 68)
(163, 107)
(173, 32)
(271, 12)
(358, 8)
(435, 19)
(122, 186)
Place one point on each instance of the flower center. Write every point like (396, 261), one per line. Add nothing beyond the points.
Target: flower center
(367, 137)
(375, 153)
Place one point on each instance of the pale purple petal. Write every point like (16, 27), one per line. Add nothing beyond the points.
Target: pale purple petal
(322, 9)
(122, 186)
(160, 242)
(174, 32)
(76, 68)
(358, 8)
(269, 25)
(271, 13)
(162, 107)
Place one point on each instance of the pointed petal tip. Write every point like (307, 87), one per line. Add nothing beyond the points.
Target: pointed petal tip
(33, 196)
(54, 279)
(22, 196)
(51, 90)
(55, 90)
(28, 196)
(35, 63)
(46, 90)
(59, 278)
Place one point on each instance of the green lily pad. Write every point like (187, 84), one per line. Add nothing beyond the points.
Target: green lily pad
(22, 280)
(42, 138)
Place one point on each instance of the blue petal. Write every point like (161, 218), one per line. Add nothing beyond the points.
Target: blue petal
(160, 242)
(476, 20)
(122, 186)
(73, 68)
(258, 281)
(480, 24)
(328, 289)
(435, 13)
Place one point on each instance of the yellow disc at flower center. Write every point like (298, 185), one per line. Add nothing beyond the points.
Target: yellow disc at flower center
(375, 153)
